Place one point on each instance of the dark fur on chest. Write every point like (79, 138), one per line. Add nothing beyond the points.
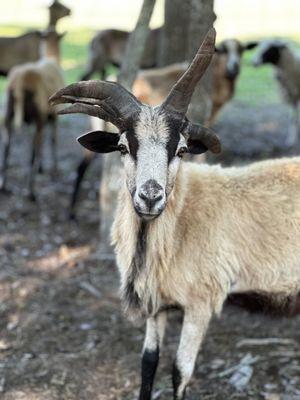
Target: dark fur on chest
(138, 263)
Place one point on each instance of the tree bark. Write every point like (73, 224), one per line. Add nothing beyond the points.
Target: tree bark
(110, 184)
(186, 23)
(136, 45)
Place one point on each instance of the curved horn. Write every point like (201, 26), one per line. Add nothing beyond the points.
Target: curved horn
(106, 100)
(180, 95)
(205, 135)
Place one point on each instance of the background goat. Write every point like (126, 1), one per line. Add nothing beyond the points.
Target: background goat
(29, 87)
(26, 48)
(287, 72)
(188, 234)
(152, 86)
(108, 47)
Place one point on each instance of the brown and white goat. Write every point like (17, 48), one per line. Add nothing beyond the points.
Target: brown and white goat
(152, 86)
(226, 66)
(286, 64)
(28, 91)
(26, 48)
(188, 234)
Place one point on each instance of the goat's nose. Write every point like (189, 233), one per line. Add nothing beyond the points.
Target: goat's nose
(151, 193)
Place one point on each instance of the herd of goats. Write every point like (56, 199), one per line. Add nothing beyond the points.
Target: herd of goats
(186, 234)
(31, 63)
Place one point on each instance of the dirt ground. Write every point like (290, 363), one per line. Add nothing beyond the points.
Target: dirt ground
(62, 335)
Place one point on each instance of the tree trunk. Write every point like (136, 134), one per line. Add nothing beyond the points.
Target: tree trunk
(110, 183)
(186, 23)
(174, 35)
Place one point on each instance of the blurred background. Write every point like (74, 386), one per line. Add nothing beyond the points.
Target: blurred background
(62, 333)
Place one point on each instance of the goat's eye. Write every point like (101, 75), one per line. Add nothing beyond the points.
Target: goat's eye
(181, 151)
(123, 149)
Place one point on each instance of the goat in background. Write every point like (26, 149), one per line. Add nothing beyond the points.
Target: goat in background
(29, 87)
(286, 64)
(189, 234)
(26, 48)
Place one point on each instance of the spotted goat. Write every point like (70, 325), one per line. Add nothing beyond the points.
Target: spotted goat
(187, 234)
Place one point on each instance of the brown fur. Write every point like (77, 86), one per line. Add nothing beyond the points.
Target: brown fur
(26, 48)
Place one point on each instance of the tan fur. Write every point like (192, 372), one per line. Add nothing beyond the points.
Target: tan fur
(42, 78)
(222, 230)
(152, 86)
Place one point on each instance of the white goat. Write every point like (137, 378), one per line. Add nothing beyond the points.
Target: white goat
(287, 72)
(28, 91)
(185, 234)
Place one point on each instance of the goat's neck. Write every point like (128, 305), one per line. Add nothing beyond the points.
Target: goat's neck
(50, 49)
(288, 61)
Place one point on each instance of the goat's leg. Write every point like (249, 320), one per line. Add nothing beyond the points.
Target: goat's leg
(293, 127)
(6, 140)
(80, 173)
(153, 340)
(54, 146)
(195, 324)
(35, 158)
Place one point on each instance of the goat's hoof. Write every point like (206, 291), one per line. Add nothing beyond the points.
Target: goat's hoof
(32, 197)
(4, 190)
(72, 217)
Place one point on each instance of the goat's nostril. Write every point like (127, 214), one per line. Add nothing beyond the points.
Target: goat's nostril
(150, 200)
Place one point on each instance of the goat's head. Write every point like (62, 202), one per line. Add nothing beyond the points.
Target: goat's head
(58, 10)
(269, 52)
(150, 140)
(233, 50)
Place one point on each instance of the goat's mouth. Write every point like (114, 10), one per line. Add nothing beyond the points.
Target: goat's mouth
(148, 216)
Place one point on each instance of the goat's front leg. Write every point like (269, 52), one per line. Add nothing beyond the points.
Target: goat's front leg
(54, 146)
(195, 324)
(153, 340)
(35, 158)
(6, 137)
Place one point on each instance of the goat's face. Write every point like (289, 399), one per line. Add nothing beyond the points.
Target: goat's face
(269, 52)
(233, 50)
(151, 140)
(58, 10)
(151, 155)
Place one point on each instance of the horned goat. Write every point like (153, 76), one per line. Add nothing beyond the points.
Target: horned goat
(26, 48)
(188, 234)
(152, 85)
(28, 91)
(286, 64)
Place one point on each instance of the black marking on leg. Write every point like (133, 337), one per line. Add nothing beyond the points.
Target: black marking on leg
(131, 298)
(149, 365)
(177, 379)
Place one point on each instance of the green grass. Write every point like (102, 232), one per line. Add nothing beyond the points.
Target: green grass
(256, 86)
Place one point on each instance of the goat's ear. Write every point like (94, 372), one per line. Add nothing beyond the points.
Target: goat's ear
(250, 45)
(196, 146)
(200, 139)
(99, 141)
(220, 49)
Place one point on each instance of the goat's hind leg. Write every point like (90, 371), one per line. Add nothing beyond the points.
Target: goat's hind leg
(195, 324)
(153, 340)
